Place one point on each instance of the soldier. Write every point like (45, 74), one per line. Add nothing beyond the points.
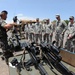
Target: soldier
(3, 34)
(47, 31)
(14, 29)
(70, 35)
(43, 30)
(38, 31)
(26, 29)
(21, 29)
(59, 30)
(31, 31)
(50, 28)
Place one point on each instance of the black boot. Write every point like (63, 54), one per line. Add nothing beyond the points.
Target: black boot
(7, 55)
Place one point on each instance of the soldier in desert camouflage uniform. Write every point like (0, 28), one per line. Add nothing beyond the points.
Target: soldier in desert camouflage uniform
(31, 31)
(38, 32)
(69, 36)
(59, 30)
(47, 31)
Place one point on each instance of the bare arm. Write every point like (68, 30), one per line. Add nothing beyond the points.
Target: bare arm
(8, 26)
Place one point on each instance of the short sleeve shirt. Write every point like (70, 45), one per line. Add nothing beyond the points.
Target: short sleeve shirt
(2, 22)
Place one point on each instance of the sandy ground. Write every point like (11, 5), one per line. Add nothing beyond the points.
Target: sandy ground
(4, 70)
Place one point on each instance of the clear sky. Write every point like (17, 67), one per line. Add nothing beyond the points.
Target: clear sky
(38, 8)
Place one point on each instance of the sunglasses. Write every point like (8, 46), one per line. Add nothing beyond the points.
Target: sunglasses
(70, 19)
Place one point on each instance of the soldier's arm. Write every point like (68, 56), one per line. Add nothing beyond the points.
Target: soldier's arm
(73, 34)
(65, 27)
(8, 26)
(51, 29)
(41, 28)
(70, 36)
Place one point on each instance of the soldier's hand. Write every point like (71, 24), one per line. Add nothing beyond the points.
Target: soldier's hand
(70, 36)
(15, 24)
(10, 25)
(51, 34)
(62, 33)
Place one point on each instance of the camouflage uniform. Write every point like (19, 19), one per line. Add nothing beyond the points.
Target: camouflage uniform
(43, 31)
(26, 29)
(3, 39)
(47, 32)
(31, 32)
(59, 30)
(69, 43)
(51, 32)
(53, 26)
(38, 32)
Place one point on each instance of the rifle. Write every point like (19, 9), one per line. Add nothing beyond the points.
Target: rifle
(51, 54)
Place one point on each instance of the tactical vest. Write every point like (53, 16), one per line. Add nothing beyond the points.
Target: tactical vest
(3, 33)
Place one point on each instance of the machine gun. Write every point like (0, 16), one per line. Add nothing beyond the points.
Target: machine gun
(51, 54)
(33, 52)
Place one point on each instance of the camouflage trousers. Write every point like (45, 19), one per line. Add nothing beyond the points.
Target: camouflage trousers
(27, 35)
(46, 37)
(31, 36)
(65, 39)
(4, 44)
(58, 37)
(38, 38)
(70, 45)
(5, 48)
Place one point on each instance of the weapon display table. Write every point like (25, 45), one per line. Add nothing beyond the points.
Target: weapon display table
(13, 71)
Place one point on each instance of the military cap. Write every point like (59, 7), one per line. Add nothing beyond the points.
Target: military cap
(45, 20)
(37, 18)
(57, 15)
(71, 17)
(4, 11)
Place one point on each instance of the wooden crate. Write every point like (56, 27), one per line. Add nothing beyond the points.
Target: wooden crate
(68, 57)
